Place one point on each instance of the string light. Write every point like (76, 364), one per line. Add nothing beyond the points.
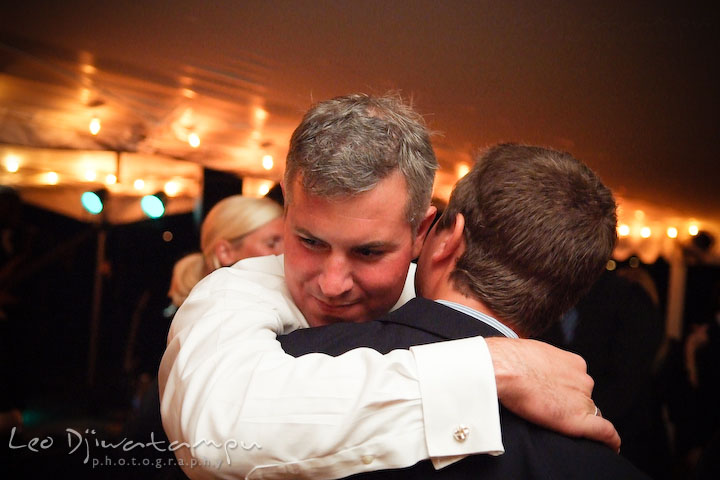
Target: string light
(90, 175)
(52, 178)
(139, 184)
(462, 170)
(672, 232)
(693, 230)
(260, 114)
(12, 163)
(194, 140)
(645, 232)
(623, 230)
(94, 126)
(171, 188)
(110, 179)
(267, 162)
(264, 189)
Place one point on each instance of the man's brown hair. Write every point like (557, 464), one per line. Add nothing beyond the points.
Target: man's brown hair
(539, 227)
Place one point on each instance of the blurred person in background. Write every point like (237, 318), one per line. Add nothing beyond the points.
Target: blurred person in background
(617, 328)
(236, 227)
(14, 252)
(696, 393)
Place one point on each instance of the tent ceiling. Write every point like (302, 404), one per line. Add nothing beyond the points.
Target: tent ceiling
(631, 90)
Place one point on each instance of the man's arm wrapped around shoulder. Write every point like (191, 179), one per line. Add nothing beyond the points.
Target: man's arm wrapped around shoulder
(236, 406)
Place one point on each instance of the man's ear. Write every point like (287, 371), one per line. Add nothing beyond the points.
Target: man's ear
(224, 253)
(423, 229)
(452, 240)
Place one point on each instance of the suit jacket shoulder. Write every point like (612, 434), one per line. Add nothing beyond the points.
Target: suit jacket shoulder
(418, 322)
(531, 452)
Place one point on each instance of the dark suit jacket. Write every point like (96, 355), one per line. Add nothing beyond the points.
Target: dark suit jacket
(531, 452)
(619, 332)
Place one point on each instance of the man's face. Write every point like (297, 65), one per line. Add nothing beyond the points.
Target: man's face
(346, 259)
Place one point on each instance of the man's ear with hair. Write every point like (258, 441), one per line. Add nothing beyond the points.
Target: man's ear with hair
(451, 240)
(423, 229)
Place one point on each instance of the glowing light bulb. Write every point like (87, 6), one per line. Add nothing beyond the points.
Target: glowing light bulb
(139, 184)
(623, 230)
(110, 179)
(12, 163)
(260, 114)
(194, 140)
(267, 162)
(645, 232)
(94, 125)
(672, 232)
(171, 188)
(264, 189)
(693, 230)
(52, 178)
(90, 175)
(463, 170)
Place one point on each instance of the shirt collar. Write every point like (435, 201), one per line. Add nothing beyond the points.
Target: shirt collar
(502, 328)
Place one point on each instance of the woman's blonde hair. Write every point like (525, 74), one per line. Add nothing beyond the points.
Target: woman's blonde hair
(230, 219)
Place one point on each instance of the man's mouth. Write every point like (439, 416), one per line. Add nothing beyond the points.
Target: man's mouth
(334, 306)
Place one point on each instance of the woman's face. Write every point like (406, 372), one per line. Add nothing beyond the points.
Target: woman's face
(266, 240)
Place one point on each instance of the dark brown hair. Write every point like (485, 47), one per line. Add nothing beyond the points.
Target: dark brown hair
(539, 226)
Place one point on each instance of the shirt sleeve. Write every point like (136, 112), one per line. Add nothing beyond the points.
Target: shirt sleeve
(234, 405)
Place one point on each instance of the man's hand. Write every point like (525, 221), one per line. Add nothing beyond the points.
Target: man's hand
(549, 387)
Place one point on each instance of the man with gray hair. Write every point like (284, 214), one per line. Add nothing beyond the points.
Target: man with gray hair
(358, 185)
(525, 234)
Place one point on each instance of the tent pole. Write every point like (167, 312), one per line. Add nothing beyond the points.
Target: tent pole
(676, 294)
(97, 302)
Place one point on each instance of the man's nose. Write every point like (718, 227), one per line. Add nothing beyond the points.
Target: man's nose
(336, 278)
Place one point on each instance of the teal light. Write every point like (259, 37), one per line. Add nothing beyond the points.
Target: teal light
(92, 202)
(152, 206)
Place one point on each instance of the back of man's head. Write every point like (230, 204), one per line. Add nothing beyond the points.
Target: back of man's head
(347, 145)
(539, 229)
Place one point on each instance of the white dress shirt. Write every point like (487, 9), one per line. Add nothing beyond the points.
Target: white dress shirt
(248, 410)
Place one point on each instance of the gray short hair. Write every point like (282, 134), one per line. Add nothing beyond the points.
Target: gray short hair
(347, 145)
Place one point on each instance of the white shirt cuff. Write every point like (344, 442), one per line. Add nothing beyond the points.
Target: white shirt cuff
(460, 406)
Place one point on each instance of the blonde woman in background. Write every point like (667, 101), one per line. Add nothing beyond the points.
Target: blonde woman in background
(237, 227)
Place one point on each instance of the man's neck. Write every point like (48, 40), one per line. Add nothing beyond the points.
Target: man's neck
(452, 295)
